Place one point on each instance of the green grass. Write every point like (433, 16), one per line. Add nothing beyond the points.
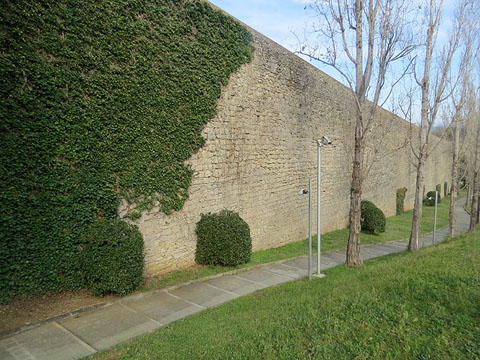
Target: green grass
(422, 305)
(468, 208)
(398, 227)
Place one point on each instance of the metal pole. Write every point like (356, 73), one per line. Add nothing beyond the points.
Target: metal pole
(310, 228)
(319, 197)
(435, 217)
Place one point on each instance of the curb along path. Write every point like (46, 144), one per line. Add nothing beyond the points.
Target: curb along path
(102, 328)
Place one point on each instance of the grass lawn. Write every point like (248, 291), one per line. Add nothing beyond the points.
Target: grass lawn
(422, 305)
(468, 208)
(398, 227)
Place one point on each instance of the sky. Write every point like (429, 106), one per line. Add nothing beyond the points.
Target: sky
(274, 18)
(280, 20)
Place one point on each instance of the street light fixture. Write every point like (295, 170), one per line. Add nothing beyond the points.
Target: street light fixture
(325, 141)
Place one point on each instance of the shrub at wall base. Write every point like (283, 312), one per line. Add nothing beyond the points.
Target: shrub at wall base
(111, 257)
(223, 239)
(430, 199)
(401, 200)
(372, 218)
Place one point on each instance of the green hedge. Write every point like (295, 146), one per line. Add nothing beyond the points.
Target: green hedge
(111, 257)
(430, 199)
(223, 239)
(401, 200)
(373, 219)
(100, 100)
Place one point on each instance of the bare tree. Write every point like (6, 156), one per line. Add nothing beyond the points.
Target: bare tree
(474, 167)
(433, 94)
(459, 100)
(360, 39)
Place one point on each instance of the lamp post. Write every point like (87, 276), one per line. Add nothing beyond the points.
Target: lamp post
(309, 192)
(310, 228)
(325, 141)
(435, 217)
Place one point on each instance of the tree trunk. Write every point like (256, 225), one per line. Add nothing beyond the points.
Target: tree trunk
(478, 209)
(453, 188)
(422, 135)
(469, 193)
(474, 216)
(453, 201)
(353, 247)
(474, 213)
(418, 207)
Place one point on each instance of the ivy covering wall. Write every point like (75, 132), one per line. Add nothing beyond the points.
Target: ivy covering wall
(100, 101)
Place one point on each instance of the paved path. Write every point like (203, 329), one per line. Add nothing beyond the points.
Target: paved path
(86, 333)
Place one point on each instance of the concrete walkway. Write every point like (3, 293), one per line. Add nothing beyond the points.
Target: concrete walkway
(99, 329)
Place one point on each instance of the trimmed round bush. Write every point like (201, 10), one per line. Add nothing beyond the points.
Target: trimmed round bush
(373, 219)
(430, 199)
(223, 239)
(111, 257)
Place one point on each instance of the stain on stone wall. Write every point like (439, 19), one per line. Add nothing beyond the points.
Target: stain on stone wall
(260, 151)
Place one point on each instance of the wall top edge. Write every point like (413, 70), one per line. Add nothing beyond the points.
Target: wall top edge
(303, 61)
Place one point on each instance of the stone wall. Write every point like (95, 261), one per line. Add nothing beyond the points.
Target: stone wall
(261, 150)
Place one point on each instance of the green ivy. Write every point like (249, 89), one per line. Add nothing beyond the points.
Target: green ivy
(100, 101)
